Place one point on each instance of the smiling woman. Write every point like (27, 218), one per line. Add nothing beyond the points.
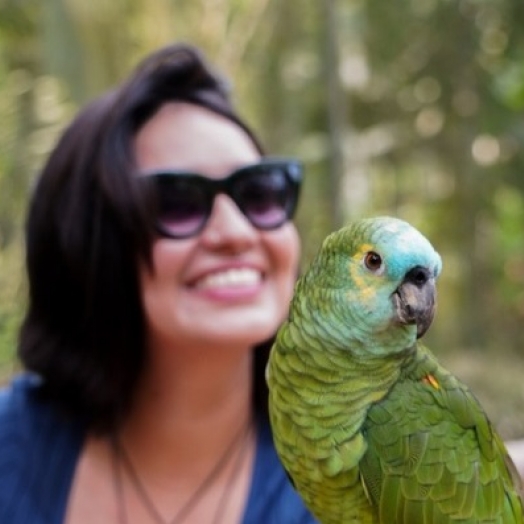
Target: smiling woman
(161, 258)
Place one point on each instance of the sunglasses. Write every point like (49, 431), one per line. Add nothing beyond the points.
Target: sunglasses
(265, 192)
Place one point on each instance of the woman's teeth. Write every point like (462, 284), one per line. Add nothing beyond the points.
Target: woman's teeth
(231, 277)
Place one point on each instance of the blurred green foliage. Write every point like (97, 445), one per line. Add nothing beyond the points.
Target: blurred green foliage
(406, 107)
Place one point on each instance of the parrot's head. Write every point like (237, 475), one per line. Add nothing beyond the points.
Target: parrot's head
(378, 278)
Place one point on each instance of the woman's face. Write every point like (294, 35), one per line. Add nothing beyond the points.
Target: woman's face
(231, 284)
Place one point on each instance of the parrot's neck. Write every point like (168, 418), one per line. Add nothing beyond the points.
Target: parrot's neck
(346, 368)
(339, 320)
(350, 379)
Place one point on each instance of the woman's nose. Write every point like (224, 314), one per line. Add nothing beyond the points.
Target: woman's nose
(228, 226)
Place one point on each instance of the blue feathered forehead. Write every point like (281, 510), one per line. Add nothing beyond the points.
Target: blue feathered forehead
(401, 244)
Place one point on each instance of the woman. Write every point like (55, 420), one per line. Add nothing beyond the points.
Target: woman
(161, 260)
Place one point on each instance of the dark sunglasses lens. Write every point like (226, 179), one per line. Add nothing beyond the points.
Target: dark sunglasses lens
(266, 196)
(182, 207)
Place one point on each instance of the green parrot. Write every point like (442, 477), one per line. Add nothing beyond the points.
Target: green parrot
(369, 426)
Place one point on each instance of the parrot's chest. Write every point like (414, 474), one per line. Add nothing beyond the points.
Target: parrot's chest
(318, 437)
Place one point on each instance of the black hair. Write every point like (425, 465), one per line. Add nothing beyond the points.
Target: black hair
(87, 231)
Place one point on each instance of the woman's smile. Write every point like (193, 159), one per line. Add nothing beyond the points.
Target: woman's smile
(235, 277)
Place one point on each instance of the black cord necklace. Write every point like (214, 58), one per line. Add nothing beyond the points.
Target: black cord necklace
(121, 458)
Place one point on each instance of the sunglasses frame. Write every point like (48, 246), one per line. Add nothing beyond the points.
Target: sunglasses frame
(211, 187)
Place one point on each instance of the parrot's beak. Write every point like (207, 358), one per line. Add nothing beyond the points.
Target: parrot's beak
(415, 299)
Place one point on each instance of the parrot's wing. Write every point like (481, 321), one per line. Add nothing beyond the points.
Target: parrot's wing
(434, 457)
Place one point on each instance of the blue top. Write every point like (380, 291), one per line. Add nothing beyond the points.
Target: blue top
(39, 448)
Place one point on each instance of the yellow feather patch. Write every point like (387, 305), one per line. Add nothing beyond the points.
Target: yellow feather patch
(431, 381)
(364, 282)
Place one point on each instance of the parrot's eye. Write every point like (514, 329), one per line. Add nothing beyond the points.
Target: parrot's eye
(373, 261)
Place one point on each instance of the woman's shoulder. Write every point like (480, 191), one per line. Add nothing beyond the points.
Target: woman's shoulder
(17, 403)
(36, 444)
(26, 422)
(273, 500)
(26, 416)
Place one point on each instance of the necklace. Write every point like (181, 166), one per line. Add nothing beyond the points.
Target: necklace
(121, 458)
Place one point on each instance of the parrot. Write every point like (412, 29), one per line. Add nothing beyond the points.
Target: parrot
(369, 426)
